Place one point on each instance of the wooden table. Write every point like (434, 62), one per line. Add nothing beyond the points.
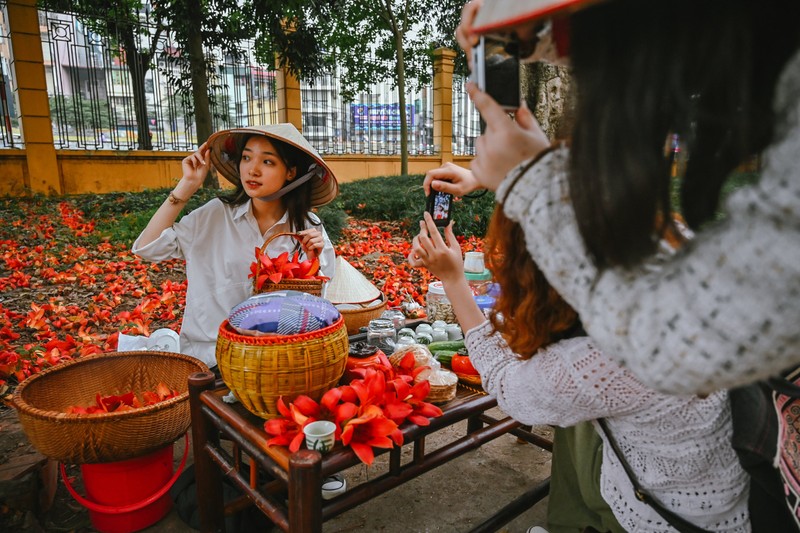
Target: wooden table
(287, 487)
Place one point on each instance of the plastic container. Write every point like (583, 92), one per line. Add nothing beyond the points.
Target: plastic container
(437, 306)
(130, 495)
(485, 303)
(479, 282)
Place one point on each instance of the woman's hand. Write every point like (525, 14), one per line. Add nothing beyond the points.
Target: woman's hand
(464, 35)
(429, 250)
(312, 242)
(195, 167)
(451, 178)
(505, 143)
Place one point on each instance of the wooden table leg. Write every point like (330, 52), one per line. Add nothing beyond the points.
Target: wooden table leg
(305, 492)
(208, 476)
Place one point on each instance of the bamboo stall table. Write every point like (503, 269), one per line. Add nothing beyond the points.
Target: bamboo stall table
(286, 487)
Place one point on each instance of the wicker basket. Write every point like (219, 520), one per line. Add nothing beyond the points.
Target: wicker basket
(355, 319)
(259, 370)
(311, 286)
(42, 400)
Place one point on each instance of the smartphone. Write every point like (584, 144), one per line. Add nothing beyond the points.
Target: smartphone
(439, 206)
(495, 70)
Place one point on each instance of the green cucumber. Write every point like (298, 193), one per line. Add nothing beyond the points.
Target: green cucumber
(446, 345)
(444, 356)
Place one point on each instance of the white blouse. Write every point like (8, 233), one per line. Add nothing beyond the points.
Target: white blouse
(722, 312)
(218, 242)
(679, 447)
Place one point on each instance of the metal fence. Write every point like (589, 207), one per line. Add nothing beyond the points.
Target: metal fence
(91, 92)
(370, 124)
(9, 121)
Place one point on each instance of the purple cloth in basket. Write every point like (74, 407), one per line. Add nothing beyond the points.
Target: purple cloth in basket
(283, 313)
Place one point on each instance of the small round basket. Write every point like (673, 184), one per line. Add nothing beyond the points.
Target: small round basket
(42, 399)
(355, 319)
(311, 286)
(259, 370)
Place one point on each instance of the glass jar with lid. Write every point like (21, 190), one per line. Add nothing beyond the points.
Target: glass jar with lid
(437, 305)
(381, 333)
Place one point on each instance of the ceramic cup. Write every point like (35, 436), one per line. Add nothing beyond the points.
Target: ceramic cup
(320, 435)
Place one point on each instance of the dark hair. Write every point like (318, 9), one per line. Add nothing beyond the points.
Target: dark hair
(646, 70)
(298, 201)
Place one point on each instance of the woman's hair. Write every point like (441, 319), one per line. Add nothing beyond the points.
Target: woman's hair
(297, 201)
(644, 71)
(533, 314)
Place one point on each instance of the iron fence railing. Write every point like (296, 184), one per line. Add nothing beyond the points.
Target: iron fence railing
(92, 98)
(466, 119)
(92, 95)
(9, 122)
(370, 124)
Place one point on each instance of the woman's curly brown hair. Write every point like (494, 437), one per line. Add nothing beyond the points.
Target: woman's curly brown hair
(533, 313)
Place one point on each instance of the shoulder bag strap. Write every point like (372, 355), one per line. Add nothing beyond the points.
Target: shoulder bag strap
(673, 519)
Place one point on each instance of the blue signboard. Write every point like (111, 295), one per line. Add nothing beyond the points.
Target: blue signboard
(368, 117)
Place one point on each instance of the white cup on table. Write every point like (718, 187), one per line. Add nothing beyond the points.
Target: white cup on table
(320, 435)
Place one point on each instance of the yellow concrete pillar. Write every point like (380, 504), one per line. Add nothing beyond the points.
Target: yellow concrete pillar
(28, 65)
(443, 61)
(288, 88)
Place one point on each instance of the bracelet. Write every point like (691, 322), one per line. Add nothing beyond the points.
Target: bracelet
(174, 200)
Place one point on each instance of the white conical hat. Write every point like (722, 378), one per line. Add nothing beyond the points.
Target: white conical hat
(349, 286)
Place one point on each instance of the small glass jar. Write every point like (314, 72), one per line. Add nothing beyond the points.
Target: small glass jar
(406, 332)
(437, 306)
(424, 328)
(439, 334)
(454, 332)
(381, 333)
(473, 262)
(396, 316)
(424, 338)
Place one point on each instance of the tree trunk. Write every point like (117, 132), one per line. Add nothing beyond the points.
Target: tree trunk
(138, 65)
(547, 89)
(197, 66)
(401, 89)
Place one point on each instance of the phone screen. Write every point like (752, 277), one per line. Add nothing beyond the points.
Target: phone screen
(439, 206)
(496, 70)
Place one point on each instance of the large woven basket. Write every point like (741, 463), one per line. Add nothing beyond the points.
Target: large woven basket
(259, 370)
(355, 319)
(42, 399)
(311, 286)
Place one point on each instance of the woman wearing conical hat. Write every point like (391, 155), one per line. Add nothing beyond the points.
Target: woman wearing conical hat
(278, 179)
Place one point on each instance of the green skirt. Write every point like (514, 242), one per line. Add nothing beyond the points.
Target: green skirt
(575, 502)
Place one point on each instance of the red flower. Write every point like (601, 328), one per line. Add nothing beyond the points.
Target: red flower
(370, 429)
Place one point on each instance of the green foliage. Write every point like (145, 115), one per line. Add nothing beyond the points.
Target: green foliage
(402, 198)
(334, 219)
(121, 217)
(81, 112)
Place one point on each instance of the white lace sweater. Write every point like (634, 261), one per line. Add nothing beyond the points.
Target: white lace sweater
(678, 446)
(722, 312)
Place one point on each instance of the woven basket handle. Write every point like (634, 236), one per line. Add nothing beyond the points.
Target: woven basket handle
(264, 249)
(284, 234)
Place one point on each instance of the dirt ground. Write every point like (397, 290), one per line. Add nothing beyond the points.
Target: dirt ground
(452, 498)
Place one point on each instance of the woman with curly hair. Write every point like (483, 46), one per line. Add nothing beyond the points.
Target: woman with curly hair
(534, 357)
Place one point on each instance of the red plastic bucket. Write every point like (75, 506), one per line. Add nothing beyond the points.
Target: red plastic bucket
(127, 496)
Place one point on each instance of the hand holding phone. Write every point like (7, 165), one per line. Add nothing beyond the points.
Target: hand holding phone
(439, 206)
